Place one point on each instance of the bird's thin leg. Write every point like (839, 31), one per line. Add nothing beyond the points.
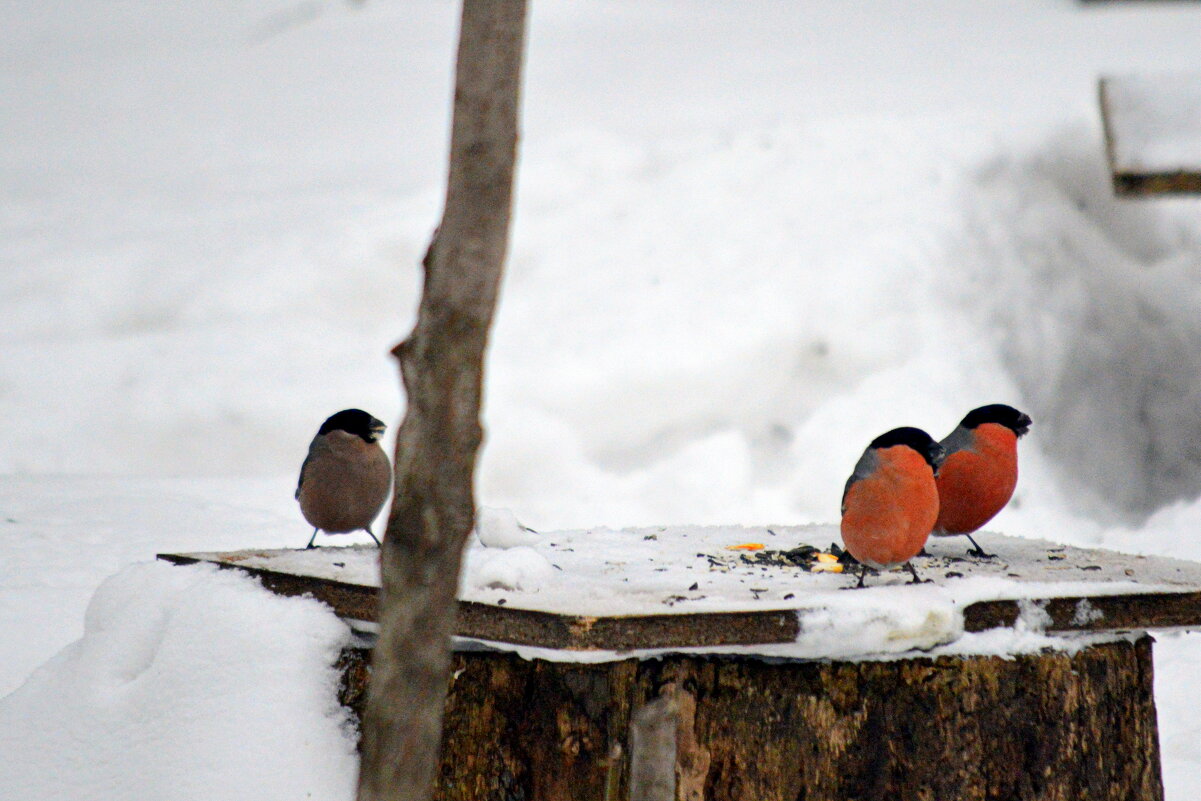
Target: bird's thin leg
(978, 551)
(311, 540)
(862, 576)
(373, 537)
(913, 572)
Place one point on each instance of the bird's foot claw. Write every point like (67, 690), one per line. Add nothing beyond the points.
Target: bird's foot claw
(979, 553)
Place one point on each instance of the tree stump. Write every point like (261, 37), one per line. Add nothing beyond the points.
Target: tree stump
(1051, 726)
(835, 720)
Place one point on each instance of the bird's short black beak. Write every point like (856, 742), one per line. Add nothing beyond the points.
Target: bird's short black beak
(1023, 424)
(377, 430)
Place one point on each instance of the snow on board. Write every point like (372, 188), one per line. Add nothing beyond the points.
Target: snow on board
(621, 590)
(1153, 132)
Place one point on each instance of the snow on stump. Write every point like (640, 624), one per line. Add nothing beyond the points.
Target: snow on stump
(1153, 133)
(1028, 676)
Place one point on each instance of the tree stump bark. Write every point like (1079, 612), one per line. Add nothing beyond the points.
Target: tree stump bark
(1050, 726)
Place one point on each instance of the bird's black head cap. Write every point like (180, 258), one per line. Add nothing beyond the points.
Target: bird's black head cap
(915, 438)
(998, 413)
(354, 421)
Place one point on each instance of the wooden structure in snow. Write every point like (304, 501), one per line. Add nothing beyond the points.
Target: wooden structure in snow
(1153, 133)
(1028, 676)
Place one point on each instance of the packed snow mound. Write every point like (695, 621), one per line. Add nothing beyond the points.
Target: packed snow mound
(745, 335)
(188, 683)
(749, 310)
(500, 528)
(1090, 304)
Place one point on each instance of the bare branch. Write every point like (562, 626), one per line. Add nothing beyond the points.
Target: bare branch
(441, 364)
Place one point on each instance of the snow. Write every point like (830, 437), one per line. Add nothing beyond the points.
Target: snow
(605, 572)
(499, 528)
(748, 238)
(518, 568)
(175, 692)
(1156, 122)
(695, 570)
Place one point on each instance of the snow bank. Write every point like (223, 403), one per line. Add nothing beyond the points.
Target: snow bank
(189, 683)
(63, 536)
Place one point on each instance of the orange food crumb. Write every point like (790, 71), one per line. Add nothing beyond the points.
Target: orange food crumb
(829, 558)
(826, 567)
(746, 546)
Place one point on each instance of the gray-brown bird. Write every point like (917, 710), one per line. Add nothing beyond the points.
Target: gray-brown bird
(346, 477)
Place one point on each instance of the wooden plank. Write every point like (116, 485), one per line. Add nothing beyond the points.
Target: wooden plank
(1159, 593)
(542, 629)
(354, 601)
(1128, 612)
(1152, 134)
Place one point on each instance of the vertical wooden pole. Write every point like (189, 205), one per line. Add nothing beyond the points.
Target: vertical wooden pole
(441, 364)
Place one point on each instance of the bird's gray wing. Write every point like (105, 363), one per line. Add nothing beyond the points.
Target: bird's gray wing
(314, 447)
(863, 468)
(961, 439)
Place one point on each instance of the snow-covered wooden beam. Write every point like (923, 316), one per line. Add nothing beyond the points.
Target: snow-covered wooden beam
(1153, 133)
(646, 589)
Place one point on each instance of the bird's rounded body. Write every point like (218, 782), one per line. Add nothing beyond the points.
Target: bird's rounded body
(346, 477)
(977, 480)
(346, 483)
(980, 471)
(888, 513)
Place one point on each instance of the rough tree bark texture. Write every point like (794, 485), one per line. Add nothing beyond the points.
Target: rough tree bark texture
(442, 364)
(1051, 727)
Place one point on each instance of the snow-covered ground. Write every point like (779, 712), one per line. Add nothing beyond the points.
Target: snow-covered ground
(749, 237)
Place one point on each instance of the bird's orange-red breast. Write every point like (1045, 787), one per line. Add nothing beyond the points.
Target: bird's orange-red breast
(981, 469)
(890, 502)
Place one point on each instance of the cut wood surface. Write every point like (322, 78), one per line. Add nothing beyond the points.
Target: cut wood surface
(1152, 129)
(744, 599)
(1049, 726)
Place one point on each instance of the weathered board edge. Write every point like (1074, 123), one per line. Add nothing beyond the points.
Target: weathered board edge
(545, 629)
(347, 600)
(533, 628)
(1128, 612)
(1140, 184)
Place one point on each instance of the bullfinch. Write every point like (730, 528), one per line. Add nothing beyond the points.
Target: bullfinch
(890, 501)
(346, 477)
(980, 472)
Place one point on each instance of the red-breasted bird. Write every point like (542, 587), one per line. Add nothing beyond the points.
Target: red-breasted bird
(980, 472)
(346, 477)
(890, 501)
